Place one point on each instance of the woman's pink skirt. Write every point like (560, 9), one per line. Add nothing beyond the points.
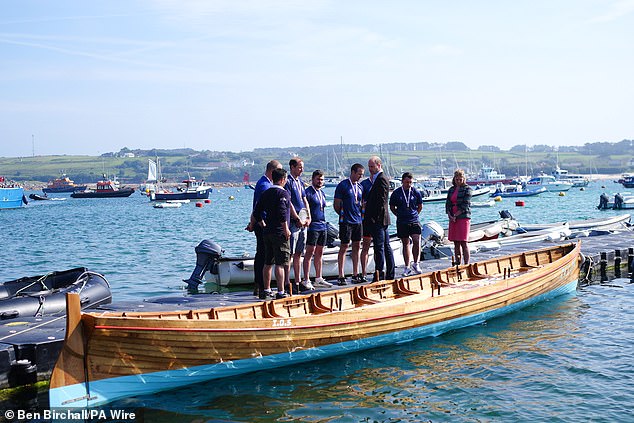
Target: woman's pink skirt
(459, 230)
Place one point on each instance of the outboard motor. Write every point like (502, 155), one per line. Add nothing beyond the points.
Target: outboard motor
(618, 201)
(207, 255)
(332, 233)
(603, 201)
(505, 214)
(431, 232)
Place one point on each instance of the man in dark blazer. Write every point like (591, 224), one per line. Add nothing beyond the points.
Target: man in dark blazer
(377, 214)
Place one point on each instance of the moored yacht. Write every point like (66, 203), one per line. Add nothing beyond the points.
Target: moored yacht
(576, 180)
(549, 182)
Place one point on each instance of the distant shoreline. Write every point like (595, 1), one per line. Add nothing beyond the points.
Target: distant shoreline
(38, 185)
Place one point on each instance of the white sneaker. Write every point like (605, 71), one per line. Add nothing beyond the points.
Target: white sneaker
(416, 268)
(306, 286)
(322, 283)
(407, 272)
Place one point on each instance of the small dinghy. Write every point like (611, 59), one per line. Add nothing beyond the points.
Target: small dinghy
(46, 294)
(168, 205)
(38, 197)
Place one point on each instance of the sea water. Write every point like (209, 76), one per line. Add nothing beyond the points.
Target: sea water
(568, 359)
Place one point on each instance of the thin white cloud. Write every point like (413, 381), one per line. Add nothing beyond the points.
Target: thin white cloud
(445, 50)
(616, 11)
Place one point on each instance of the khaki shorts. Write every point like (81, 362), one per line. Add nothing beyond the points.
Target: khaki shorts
(277, 250)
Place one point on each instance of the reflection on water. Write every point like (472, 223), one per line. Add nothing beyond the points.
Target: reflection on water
(525, 366)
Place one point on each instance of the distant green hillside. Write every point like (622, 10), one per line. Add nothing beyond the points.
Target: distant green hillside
(420, 158)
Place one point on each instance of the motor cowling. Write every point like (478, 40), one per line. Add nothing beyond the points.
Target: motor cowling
(618, 201)
(207, 255)
(432, 232)
(332, 233)
(505, 214)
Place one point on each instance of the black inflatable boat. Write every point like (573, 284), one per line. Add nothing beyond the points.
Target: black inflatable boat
(46, 294)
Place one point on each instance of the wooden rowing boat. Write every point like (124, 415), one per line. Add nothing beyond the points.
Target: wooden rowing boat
(113, 355)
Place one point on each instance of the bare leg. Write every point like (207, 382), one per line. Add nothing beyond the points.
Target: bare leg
(341, 259)
(457, 252)
(266, 273)
(356, 246)
(365, 252)
(308, 255)
(279, 276)
(466, 255)
(319, 252)
(297, 259)
(415, 247)
(406, 248)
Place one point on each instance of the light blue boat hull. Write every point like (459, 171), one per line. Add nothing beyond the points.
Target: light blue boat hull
(11, 198)
(103, 391)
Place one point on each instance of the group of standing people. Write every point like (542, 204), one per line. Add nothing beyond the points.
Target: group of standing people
(289, 221)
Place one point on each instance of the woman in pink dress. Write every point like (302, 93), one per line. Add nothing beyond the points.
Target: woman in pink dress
(458, 208)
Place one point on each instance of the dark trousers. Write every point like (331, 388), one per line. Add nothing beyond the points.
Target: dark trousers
(258, 262)
(383, 254)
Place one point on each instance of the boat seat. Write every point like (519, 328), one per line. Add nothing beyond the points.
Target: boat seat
(240, 312)
(415, 284)
(295, 306)
(340, 300)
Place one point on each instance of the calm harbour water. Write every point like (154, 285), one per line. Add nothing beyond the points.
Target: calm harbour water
(564, 360)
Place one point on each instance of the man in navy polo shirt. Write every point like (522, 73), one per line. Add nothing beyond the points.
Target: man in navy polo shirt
(347, 204)
(264, 183)
(406, 203)
(272, 214)
(295, 187)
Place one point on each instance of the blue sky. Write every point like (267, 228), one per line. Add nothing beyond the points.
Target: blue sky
(88, 77)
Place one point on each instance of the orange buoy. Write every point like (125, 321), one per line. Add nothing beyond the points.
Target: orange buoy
(519, 203)
(199, 204)
(208, 201)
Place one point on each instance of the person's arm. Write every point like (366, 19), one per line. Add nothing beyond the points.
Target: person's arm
(287, 232)
(256, 215)
(393, 207)
(284, 205)
(420, 201)
(307, 207)
(336, 204)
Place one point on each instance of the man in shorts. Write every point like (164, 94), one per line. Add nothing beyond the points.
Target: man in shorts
(317, 232)
(272, 212)
(347, 204)
(406, 203)
(298, 226)
(261, 186)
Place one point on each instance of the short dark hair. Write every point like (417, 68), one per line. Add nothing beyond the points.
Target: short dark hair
(295, 161)
(407, 175)
(272, 165)
(355, 167)
(318, 172)
(278, 174)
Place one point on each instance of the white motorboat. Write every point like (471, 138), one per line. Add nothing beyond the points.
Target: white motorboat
(235, 271)
(576, 180)
(600, 223)
(549, 182)
(437, 196)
